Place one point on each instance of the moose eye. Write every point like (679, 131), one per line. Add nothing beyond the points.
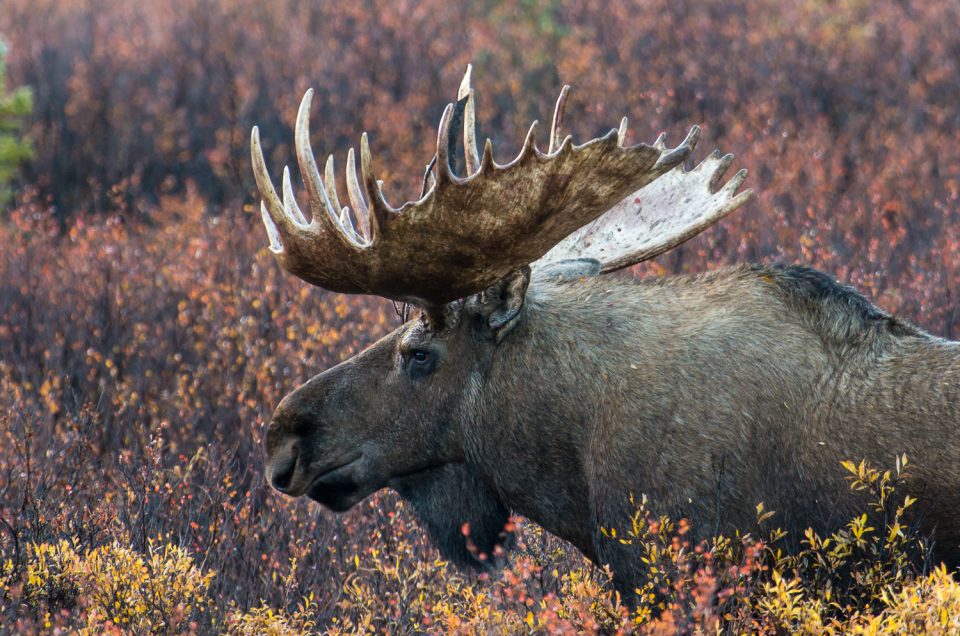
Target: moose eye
(420, 362)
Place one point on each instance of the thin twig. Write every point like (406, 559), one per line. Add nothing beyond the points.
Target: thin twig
(402, 310)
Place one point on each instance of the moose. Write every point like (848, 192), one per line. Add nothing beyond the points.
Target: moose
(532, 382)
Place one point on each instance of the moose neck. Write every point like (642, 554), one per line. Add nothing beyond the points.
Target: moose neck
(544, 392)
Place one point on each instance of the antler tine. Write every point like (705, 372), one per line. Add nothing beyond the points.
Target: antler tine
(275, 246)
(443, 158)
(733, 184)
(486, 160)
(681, 152)
(469, 124)
(355, 195)
(730, 187)
(465, 83)
(330, 183)
(379, 209)
(530, 143)
(557, 124)
(289, 201)
(719, 168)
(428, 179)
(622, 133)
(280, 225)
(324, 216)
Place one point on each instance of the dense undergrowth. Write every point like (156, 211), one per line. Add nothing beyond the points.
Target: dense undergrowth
(146, 332)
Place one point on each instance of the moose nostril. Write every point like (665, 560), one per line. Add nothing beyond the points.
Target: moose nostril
(282, 473)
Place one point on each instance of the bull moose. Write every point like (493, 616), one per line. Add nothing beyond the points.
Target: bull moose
(530, 382)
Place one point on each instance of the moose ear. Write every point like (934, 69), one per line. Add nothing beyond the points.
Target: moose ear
(500, 304)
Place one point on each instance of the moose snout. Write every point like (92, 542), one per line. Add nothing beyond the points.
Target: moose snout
(287, 451)
(282, 466)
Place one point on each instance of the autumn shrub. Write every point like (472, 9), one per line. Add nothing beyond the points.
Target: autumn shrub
(155, 593)
(861, 579)
(381, 577)
(268, 621)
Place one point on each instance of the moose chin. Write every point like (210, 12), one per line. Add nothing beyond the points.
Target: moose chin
(532, 382)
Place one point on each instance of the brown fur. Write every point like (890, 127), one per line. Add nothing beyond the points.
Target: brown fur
(708, 395)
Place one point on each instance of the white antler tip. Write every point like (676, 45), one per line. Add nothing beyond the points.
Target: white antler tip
(735, 182)
(366, 165)
(622, 132)
(303, 115)
(531, 140)
(290, 207)
(464, 89)
(272, 234)
(353, 184)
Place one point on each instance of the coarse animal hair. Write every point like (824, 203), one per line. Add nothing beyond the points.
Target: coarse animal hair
(706, 394)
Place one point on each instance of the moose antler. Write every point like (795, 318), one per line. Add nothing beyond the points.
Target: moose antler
(464, 233)
(658, 217)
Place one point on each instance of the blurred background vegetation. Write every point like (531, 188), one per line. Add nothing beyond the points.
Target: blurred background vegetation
(146, 332)
(14, 107)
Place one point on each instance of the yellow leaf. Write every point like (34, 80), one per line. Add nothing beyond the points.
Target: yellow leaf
(894, 531)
